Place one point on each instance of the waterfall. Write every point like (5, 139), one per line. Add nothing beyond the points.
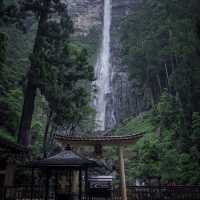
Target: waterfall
(103, 70)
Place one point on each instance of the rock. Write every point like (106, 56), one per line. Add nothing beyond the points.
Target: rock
(122, 102)
(85, 14)
(123, 99)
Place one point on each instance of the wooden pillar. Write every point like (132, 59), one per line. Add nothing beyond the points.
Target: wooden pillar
(47, 185)
(56, 184)
(75, 182)
(10, 172)
(86, 184)
(32, 182)
(75, 177)
(70, 180)
(122, 174)
(80, 184)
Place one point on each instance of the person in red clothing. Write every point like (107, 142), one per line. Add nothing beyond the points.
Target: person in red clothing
(171, 183)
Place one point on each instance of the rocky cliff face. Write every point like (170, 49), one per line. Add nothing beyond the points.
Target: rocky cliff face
(124, 100)
(87, 14)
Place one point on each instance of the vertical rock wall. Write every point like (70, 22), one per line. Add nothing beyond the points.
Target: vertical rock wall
(89, 13)
(85, 15)
(124, 100)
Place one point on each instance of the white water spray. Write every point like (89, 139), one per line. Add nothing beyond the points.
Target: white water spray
(103, 70)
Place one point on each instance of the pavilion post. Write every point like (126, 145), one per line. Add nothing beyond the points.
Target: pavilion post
(47, 185)
(32, 182)
(122, 173)
(75, 182)
(80, 184)
(10, 176)
(10, 172)
(86, 184)
(56, 184)
(70, 180)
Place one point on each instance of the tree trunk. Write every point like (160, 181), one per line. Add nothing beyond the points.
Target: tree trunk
(27, 113)
(167, 75)
(173, 63)
(46, 134)
(159, 83)
(51, 134)
(31, 88)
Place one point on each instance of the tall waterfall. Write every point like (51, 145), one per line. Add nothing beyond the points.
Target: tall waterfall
(103, 70)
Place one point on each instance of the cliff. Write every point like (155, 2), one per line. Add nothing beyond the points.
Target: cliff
(123, 100)
(88, 15)
(85, 14)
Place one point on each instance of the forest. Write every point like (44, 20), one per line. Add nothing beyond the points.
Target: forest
(160, 44)
(48, 87)
(46, 82)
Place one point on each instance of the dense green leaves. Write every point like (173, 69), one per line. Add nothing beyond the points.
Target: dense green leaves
(65, 87)
(159, 157)
(157, 153)
(10, 96)
(160, 44)
(58, 71)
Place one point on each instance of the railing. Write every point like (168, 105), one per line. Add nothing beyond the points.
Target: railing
(134, 193)
(116, 194)
(164, 193)
(24, 192)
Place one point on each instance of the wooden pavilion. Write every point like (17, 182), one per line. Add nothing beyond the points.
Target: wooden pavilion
(61, 167)
(100, 141)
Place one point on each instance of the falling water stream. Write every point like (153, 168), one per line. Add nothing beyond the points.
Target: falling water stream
(103, 70)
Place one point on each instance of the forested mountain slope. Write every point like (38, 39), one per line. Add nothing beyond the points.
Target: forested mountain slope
(160, 44)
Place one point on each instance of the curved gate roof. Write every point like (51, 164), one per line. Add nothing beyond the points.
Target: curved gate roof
(104, 140)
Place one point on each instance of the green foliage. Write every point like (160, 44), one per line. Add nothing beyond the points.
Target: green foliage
(156, 154)
(195, 146)
(15, 48)
(10, 97)
(65, 86)
(63, 74)
(167, 113)
(161, 47)
(2, 58)
(140, 124)
(7, 135)
(90, 42)
(2, 47)
(10, 109)
(196, 124)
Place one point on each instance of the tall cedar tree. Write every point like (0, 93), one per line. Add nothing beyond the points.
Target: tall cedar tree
(64, 87)
(45, 10)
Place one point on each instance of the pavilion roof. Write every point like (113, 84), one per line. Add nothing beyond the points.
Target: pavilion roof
(66, 158)
(104, 140)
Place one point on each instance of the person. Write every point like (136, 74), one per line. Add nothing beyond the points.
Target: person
(171, 183)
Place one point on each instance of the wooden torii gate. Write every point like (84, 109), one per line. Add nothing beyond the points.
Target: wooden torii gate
(100, 141)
